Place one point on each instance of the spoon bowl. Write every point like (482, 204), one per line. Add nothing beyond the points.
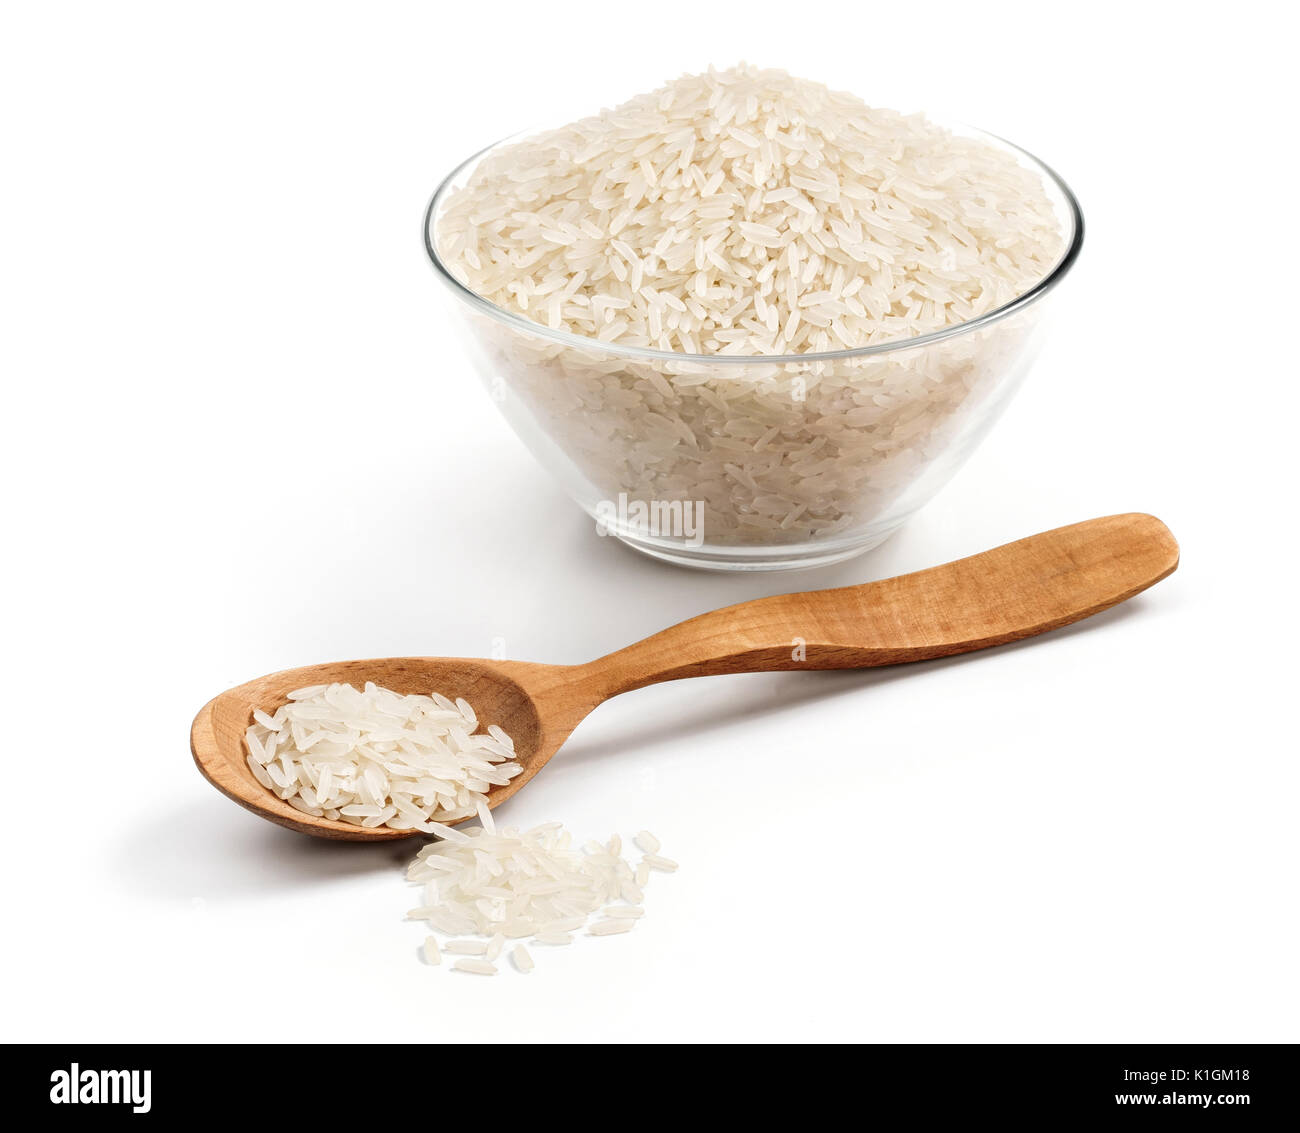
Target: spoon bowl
(498, 697)
(999, 596)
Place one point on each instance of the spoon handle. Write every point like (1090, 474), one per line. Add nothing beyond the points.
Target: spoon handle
(1009, 593)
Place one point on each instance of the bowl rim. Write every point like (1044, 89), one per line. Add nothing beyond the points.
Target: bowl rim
(1053, 276)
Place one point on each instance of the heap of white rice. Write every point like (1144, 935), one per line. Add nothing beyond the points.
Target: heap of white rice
(486, 888)
(377, 758)
(745, 212)
(748, 212)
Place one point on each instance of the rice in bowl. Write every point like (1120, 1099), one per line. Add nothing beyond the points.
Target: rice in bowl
(751, 292)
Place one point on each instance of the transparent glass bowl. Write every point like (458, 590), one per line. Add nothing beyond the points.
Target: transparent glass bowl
(755, 463)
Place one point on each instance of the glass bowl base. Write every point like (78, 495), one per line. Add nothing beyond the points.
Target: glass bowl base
(796, 557)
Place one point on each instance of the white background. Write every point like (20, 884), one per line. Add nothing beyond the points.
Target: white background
(240, 436)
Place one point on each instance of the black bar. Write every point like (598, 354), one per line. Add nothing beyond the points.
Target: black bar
(1245, 1084)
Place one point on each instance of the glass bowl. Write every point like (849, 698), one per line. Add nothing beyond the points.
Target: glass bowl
(755, 463)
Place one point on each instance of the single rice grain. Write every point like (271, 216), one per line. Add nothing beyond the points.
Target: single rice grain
(610, 927)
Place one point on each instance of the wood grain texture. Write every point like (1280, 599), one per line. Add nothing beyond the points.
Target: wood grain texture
(1013, 592)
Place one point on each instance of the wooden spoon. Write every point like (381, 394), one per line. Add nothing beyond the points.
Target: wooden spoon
(1003, 595)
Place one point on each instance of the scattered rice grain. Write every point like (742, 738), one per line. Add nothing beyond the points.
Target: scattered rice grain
(647, 842)
(610, 927)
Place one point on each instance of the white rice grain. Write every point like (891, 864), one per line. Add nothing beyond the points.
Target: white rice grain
(569, 924)
(662, 864)
(610, 927)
